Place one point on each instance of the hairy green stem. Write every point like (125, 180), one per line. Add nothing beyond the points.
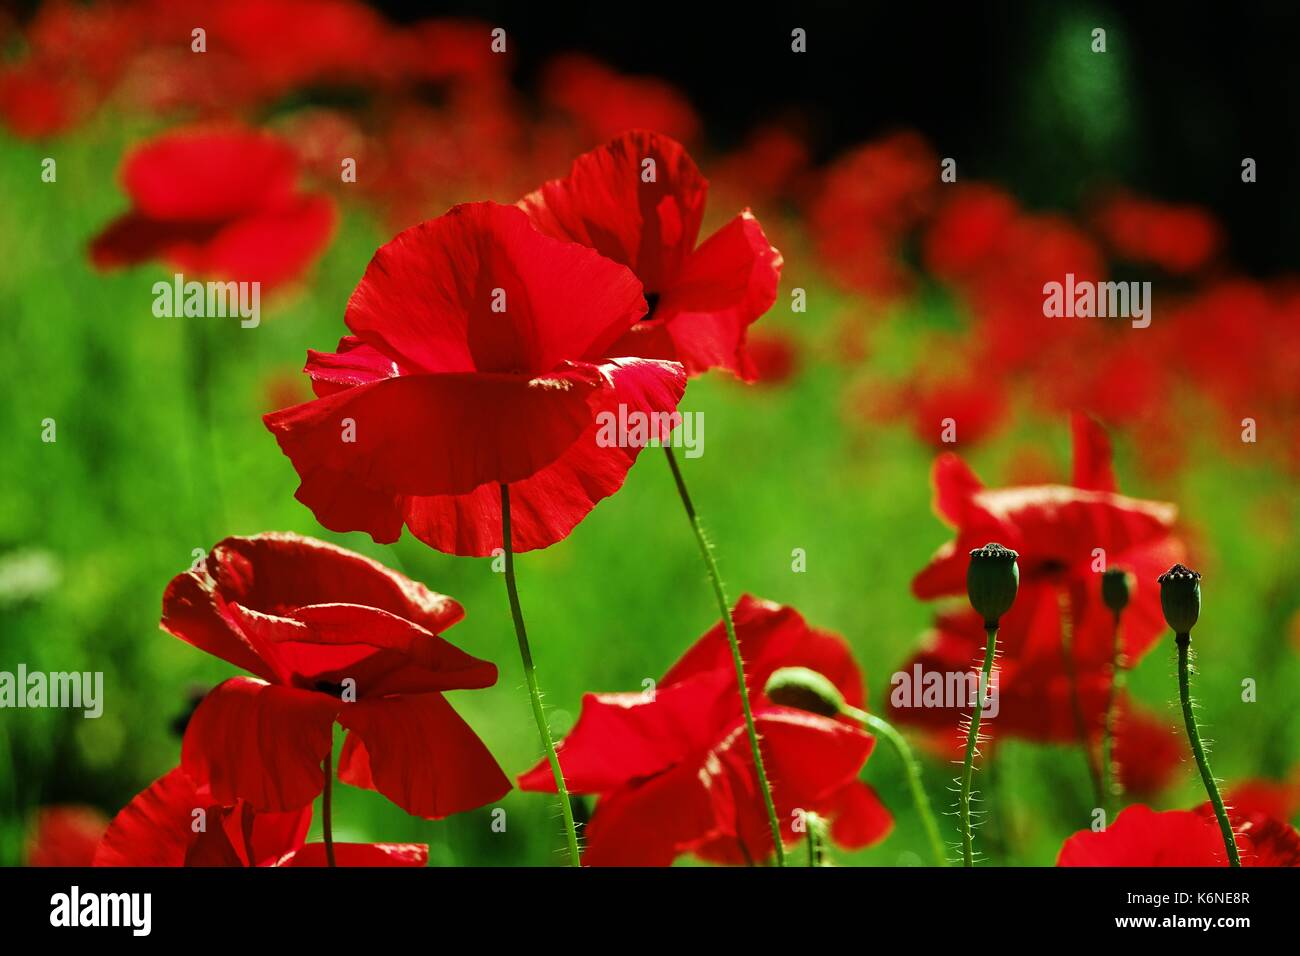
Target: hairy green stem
(972, 737)
(1111, 787)
(725, 608)
(326, 805)
(534, 691)
(883, 728)
(1194, 735)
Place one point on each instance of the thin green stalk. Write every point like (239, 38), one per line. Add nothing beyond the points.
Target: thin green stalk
(326, 804)
(530, 674)
(725, 607)
(812, 823)
(883, 728)
(1080, 725)
(1194, 735)
(972, 736)
(1109, 773)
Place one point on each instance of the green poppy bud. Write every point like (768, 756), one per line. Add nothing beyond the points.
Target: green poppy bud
(1116, 589)
(1180, 597)
(805, 689)
(992, 580)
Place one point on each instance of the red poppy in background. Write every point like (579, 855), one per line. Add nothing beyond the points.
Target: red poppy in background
(1042, 699)
(219, 204)
(1057, 529)
(673, 766)
(484, 354)
(871, 199)
(332, 636)
(702, 300)
(64, 835)
(1140, 836)
(158, 828)
(605, 102)
(1179, 238)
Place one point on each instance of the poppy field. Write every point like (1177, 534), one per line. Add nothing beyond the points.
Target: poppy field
(423, 451)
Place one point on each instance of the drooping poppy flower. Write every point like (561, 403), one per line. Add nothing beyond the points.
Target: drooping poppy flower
(1062, 533)
(673, 767)
(1140, 836)
(639, 200)
(483, 354)
(176, 822)
(331, 637)
(218, 204)
(65, 835)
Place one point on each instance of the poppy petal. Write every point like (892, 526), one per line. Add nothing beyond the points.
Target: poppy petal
(260, 742)
(419, 753)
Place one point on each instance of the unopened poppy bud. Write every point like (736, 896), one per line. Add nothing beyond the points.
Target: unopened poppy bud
(992, 580)
(1180, 597)
(1116, 588)
(804, 689)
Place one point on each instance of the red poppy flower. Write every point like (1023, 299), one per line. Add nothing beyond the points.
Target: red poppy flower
(220, 204)
(605, 102)
(1057, 530)
(702, 300)
(1040, 698)
(484, 354)
(313, 622)
(65, 836)
(1177, 238)
(1140, 836)
(1269, 798)
(673, 766)
(175, 822)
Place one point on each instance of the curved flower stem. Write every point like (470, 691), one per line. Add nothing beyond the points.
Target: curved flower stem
(887, 730)
(1076, 708)
(326, 805)
(1109, 773)
(725, 608)
(1194, 735)
(530, 673)
(972, 736)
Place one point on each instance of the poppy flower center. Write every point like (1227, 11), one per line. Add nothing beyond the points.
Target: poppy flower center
(652, 303)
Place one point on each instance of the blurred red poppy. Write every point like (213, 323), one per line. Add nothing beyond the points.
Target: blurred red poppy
(702, 300)
(65, 835)
(484, 354)
(673, 766)
(332, 636)
(1066, 535)
(1140, 836)
(604, 102)
(217, 203)
(1176, 238)
(175, 822)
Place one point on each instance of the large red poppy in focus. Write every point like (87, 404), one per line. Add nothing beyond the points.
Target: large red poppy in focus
(702, 299)
(484, 353)
(176, 822)
(673, 766)
(1140, 836)
(331, 636)
(217, 204)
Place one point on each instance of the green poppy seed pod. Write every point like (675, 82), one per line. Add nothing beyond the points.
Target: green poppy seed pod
(992, 580)
(1116, 588)
(804, 689)
(1180, 597)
